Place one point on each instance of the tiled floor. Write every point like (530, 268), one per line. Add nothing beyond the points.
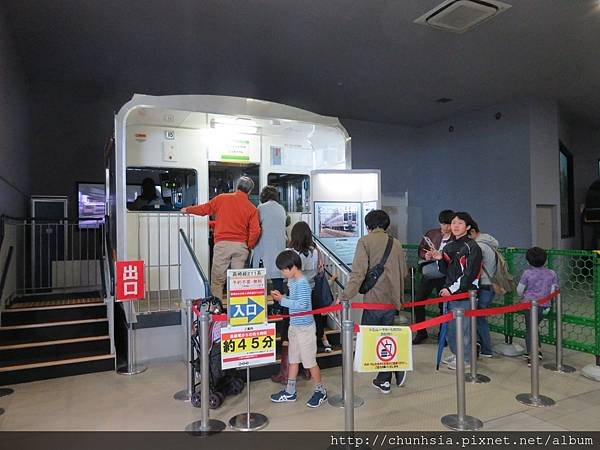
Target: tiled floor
(107, 401)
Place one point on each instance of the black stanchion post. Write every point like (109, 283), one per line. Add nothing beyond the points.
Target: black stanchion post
(460, 421)
(558, 366)
(205, 426)
(534, 398)
(474, 377)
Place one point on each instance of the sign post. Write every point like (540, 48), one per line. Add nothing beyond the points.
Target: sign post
(130, 287)
(248, 340)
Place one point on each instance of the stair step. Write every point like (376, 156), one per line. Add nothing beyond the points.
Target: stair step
(52, 331)
(44, 314)
(24, 373)
(34, 352)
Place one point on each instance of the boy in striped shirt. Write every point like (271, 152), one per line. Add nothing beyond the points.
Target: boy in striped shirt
(301, 335)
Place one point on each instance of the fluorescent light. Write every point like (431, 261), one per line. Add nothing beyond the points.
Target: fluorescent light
(234, 127)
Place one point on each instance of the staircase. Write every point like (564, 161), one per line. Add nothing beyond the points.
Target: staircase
(49, 337)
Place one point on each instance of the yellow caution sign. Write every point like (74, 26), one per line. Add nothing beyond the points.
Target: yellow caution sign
(247, 299)
(383, 349)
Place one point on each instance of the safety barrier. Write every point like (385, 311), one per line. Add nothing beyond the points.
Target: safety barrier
(4, 392)
(579, 275)
(459, 421)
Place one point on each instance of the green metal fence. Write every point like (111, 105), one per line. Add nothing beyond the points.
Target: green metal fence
(579, 278)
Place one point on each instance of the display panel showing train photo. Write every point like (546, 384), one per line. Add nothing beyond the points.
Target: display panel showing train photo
(337, 219)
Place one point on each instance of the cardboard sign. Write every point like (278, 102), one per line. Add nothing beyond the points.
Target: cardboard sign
(246, 297)
(247, 346)
(130, 280)
(383, 349)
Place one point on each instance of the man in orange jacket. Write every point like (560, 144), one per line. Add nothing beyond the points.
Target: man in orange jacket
(236, 232)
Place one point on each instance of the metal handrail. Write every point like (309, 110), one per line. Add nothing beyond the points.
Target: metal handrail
(188, 246)
(339, 262)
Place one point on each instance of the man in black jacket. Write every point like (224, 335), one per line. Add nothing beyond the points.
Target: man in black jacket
(461, 261)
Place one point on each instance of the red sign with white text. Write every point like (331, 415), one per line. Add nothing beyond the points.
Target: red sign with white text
(130, 280)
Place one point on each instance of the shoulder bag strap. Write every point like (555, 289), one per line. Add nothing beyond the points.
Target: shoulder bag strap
(388, 249)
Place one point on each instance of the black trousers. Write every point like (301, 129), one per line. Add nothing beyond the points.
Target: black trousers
(379, 317)
(427, 286)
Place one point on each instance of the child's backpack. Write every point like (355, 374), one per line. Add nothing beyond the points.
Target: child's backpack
(502, 280)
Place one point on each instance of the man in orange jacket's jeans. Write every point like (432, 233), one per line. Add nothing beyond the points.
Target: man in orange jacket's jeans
(237, 230)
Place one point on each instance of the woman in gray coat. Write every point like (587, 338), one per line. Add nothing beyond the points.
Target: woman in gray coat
(272, 240)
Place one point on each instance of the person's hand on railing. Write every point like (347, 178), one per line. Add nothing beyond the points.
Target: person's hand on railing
(444, 293)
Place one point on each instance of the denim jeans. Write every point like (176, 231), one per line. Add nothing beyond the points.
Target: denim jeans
(485, 298)
(527, 314)
(379, 317)
(451, 334)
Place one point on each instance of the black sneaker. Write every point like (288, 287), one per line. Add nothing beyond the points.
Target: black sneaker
(384, 387)
(419, 338)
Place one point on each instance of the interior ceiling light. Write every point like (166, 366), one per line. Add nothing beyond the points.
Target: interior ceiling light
(459, 16)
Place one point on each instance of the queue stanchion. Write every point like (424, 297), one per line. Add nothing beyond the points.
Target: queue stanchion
(248, 421)
(205, 426)
(460, 421)
(534, 398)
(3, 393)
(186, 394)
(474, 377)
(412, 294)
(558, 366)
(338, 399)
(6, 391)
(132, 367)
(348, 376)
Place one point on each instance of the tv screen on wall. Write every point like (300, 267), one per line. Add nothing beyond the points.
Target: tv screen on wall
(91, 204)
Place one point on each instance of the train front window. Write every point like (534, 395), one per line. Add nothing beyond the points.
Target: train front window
(161, 189)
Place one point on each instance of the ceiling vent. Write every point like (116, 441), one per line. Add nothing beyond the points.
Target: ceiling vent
(459, 16)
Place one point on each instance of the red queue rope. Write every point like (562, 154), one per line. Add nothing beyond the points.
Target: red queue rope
(431, 301)
(414, 327)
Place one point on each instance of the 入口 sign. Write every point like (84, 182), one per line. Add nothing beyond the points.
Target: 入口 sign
(246, 297)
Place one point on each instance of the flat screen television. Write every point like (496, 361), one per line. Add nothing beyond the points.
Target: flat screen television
(91, 204)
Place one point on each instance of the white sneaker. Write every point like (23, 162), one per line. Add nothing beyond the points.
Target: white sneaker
(452, 365)
(449, 359)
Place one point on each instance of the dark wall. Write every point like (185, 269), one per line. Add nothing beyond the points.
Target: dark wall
(70, 126)
(483, 167)
(14, 146)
